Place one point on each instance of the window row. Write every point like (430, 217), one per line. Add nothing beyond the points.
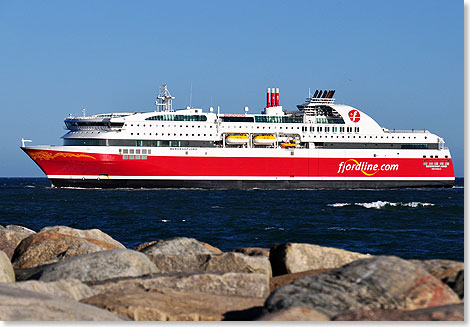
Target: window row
(178, 118)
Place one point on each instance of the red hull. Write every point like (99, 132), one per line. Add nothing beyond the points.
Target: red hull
(57, 163)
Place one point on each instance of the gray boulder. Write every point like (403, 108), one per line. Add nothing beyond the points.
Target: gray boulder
(53, 244)
(295, 314)
(288, 258)
(11, 236)
(165, 305)
(451, 312)
(68, 288)
(7, 273)
(253, 251)
(19, 305)
(178, 245)
(382, 282)
(229, 284)
(99, 266)
(226, 262)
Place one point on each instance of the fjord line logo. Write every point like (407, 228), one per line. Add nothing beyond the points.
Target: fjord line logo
(366, 168)
(354, 116)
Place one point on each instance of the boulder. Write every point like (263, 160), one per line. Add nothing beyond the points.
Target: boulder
(295, 314)
(452, 312)
(165, 305)
(179, 245)
(11, 236)
(238, 262)
(449, 272)
(278, 281)
(18, 305)
(226, 262)
(382, 282)
(7, 273)
(229, 284)
(143, 246)
(288, 258)
(211, 248)
(91, 235)
(20, 229)
(253, 251)
(53, 244)
(68, 288)
(99, 266)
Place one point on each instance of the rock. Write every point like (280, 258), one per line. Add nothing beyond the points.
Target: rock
(227, 262)
(295, 314)
(99, 266)
(452, 312)
(11, 236)
(7, 274)
(238, 262)
(229, 284)
(143, 246)
(19, 305)
(167, 305)
(288, 258)
(382, 282)
(20, 229)
(458, 285)
(278, 281)
(211, 248)
(178, 245)
(68, 288)
(449, 272)
(253, 251)
(91, 235)
(53, 244)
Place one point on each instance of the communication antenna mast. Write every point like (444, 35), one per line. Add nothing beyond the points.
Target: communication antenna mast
(166, 99)
(191, 95)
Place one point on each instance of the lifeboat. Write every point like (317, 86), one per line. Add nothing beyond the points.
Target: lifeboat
(289, 144)
(264, 140)
(237, 139)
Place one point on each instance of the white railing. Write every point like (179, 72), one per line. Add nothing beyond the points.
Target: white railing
(406, 131)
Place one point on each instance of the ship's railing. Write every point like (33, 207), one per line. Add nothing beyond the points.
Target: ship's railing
(92, 128)
(320, 100)
(406, 131)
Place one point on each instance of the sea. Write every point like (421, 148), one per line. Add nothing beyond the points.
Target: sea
(423, 223)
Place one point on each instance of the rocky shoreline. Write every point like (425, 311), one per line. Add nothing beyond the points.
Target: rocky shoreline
(66, 274)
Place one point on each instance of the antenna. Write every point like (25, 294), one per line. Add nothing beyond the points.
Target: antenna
(191, 94)
(165, 99)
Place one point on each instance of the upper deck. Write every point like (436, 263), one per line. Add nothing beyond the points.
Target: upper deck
(319, 122)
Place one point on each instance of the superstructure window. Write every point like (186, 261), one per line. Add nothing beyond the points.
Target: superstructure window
(330, 120)
(75, 124)
(278, 119)
(236, 119)
(415, 146)
(178, 118)
(90, 142)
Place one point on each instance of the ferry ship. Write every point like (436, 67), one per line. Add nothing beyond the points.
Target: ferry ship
(319, 145)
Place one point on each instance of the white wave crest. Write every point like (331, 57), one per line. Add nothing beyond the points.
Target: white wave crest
(380, 204)
(338, 204)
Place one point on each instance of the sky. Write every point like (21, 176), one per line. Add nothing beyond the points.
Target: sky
(401, 62)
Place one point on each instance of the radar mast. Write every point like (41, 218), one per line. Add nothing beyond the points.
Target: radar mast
(166, 100)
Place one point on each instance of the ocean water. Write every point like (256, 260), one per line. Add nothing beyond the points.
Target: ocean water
(410, 223)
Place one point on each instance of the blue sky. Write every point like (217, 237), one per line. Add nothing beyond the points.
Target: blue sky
(399, 61)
